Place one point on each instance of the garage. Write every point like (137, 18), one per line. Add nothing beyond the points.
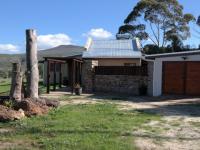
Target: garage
(176, 73)
(181, 78)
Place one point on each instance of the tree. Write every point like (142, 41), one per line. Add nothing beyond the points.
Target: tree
(151, 49)
(16, 83)
(160, 21)
(32, 64)
(198, 21)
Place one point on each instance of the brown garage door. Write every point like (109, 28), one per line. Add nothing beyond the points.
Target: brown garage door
(193, 78)
(181, 78)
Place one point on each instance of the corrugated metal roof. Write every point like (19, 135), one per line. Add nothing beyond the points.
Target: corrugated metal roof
(173, 54)
(113, 49)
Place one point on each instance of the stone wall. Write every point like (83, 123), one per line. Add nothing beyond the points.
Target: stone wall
(88, 75)
(114, 83)
(119, 83)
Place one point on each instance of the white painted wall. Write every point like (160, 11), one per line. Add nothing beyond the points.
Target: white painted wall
(157, 73)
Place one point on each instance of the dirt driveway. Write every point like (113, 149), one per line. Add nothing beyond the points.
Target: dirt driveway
(178, 129)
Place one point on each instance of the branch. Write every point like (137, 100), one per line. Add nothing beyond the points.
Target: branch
(152, 40)
(164, 32)
(154, 34)
(158, 28)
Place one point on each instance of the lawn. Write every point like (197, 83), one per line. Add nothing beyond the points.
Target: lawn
(78, 127)
(6, 83)
(4, 86)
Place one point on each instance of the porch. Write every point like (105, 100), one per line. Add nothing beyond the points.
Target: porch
(62, 73)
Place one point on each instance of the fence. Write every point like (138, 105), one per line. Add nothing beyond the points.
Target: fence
(121, 70)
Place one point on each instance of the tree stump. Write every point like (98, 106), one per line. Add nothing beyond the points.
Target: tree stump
(16, 83)
(32, 64)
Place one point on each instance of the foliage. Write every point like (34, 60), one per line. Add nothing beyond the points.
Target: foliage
(3, 74)
(98, 126)
(151, 49)
(160, 21)
(8, 103)
(176, 46)
(198, 21)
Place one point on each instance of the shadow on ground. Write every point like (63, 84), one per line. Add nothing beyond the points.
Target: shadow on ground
(168, 105)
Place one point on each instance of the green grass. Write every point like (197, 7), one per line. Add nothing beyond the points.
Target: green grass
(78, 127)
(4, 86)
(6, 83)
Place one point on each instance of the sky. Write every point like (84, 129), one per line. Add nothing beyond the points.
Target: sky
(63, 22)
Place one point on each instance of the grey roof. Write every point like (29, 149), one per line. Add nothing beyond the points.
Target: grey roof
(62, 51)
(174, 54)
(113, 49)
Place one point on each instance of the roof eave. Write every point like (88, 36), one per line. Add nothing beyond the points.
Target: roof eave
(175, 54)
(112, 57)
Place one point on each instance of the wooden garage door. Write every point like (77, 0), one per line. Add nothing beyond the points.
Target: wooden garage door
(173, 77)
(181, 78)
(193, 78)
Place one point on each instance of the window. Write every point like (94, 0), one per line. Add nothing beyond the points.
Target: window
(130, 64)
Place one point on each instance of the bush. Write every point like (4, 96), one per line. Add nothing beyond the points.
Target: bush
(8, 103)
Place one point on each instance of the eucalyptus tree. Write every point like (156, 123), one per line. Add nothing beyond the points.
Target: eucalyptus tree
(198, 21)
(160, 21)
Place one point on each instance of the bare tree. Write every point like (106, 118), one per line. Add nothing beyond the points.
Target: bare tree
(32, 64)
(16, 86)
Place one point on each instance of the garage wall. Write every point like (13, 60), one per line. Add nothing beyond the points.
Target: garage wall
(157, 73)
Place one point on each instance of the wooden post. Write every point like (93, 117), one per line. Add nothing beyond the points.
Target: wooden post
(60, 76)
(16, 83)
(72, 76)
(69, 64)
(54, 77)
(32, 64)
(48, 77)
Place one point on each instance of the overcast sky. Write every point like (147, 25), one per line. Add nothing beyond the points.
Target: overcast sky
(68, 21)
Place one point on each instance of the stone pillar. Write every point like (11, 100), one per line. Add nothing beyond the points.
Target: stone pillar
(88, 75)
(150, 77)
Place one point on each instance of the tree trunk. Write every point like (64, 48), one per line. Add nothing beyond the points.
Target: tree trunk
(32, 64)
(16, 83)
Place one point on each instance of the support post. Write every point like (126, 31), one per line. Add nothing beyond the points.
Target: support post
(48, 77)
(54, 77)
(60, 76)
(32, 64)
(72, 76)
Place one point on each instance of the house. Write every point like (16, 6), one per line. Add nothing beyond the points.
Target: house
(103, 66)
(174, 73)
(122, 52)
(119, 66)
(62, 65)
(114, 66)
